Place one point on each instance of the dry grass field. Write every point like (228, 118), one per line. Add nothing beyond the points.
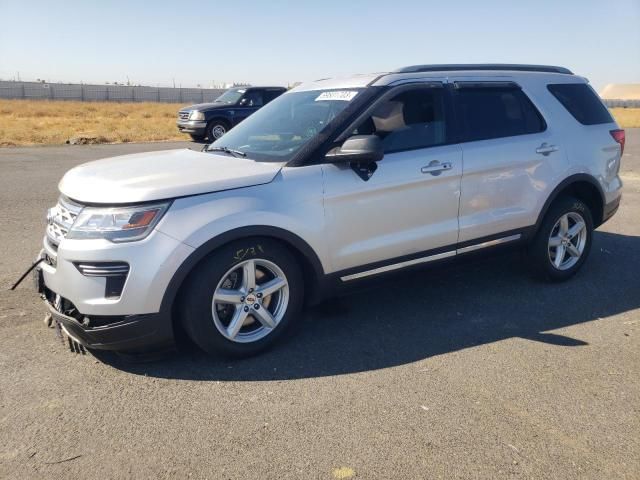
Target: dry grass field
(37, 122)
(627, 117)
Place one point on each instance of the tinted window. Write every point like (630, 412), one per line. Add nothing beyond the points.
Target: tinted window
(269, 95)
(581, 102)
(494, 112)
(410, 120)
(253, 98)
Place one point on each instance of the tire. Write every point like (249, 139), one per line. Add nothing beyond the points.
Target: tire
(216, 129)
(223, 317)
(552, 253)
(197, 138)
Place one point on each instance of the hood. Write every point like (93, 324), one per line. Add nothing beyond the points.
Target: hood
(203, 107)
(142, 177)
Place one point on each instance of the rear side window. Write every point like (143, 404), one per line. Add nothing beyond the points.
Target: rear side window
(493, 112)
(271, 94)
(581, 102)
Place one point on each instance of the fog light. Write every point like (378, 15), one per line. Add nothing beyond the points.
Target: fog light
(115, 273)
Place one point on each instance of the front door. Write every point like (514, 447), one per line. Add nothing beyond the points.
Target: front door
(250, 102)
(408, 209)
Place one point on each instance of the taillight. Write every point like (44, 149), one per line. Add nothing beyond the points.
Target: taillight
(618, 136)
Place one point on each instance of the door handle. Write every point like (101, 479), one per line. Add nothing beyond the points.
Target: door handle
(435, 167)
(545, 149)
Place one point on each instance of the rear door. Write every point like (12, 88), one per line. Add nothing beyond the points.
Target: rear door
(407, 210)
(509, 154)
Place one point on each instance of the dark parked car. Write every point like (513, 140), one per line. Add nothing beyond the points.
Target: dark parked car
(212, 120)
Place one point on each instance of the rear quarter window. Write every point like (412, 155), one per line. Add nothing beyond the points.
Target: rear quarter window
(581, 102)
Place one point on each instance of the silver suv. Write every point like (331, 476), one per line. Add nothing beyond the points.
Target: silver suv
(335, 182)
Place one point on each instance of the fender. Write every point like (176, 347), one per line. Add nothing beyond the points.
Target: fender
(219, 116)
(229, 236)
(579, 177)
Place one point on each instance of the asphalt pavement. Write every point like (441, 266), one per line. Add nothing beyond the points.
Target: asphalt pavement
(474, 371)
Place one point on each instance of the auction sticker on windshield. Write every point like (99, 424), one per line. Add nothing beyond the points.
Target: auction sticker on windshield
(344, 95)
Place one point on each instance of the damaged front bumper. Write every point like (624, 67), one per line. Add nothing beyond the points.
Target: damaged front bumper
(109, 296)
(123, 333)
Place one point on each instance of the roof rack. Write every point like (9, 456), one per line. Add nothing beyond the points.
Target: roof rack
(483, 66)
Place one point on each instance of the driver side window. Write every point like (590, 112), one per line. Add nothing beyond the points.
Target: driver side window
(411, 120)
(253, 99)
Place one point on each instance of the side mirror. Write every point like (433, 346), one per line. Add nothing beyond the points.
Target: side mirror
(357, 149)
(244, 102)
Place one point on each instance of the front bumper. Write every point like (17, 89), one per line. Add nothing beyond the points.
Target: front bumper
(194, 127)
(152, 263)
(134, 319)
(131, 333)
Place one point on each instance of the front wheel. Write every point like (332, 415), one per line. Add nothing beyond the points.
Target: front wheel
(216, 129)
(243, 297)
(562, 244)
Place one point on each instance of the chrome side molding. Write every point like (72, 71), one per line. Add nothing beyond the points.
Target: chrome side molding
(490, 243)
(430, 258)
(396, 266)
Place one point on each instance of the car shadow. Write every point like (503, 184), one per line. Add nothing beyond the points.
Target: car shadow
(422, 314)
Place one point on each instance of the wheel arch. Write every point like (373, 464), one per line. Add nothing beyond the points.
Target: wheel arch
(312, 269)
(582, 186)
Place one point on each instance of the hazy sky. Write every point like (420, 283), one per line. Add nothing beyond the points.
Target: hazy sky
(280, 42)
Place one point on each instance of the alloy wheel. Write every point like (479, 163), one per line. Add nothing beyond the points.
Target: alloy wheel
(567, 240)
(250, 300)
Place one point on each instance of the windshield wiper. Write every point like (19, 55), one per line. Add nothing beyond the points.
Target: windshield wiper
(230, 151)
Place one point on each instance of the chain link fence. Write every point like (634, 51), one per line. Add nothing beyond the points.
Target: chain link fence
(106, 93)
(123, 93)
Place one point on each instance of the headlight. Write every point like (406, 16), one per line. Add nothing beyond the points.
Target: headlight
(118, 224)
(196, 115)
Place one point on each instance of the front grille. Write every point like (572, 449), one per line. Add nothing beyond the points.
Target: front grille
(183, 115)
(60, 219)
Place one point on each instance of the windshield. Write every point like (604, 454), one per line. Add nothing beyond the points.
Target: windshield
(277, 131)
(230, 97)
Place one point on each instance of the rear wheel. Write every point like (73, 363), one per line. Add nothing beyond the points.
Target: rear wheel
(242, 298)
(562, 244)
(216, 129)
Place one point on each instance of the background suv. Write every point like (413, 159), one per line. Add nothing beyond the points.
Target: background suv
(212, 120)
(334, 182)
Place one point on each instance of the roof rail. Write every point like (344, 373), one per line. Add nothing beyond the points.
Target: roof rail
(483, 66)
